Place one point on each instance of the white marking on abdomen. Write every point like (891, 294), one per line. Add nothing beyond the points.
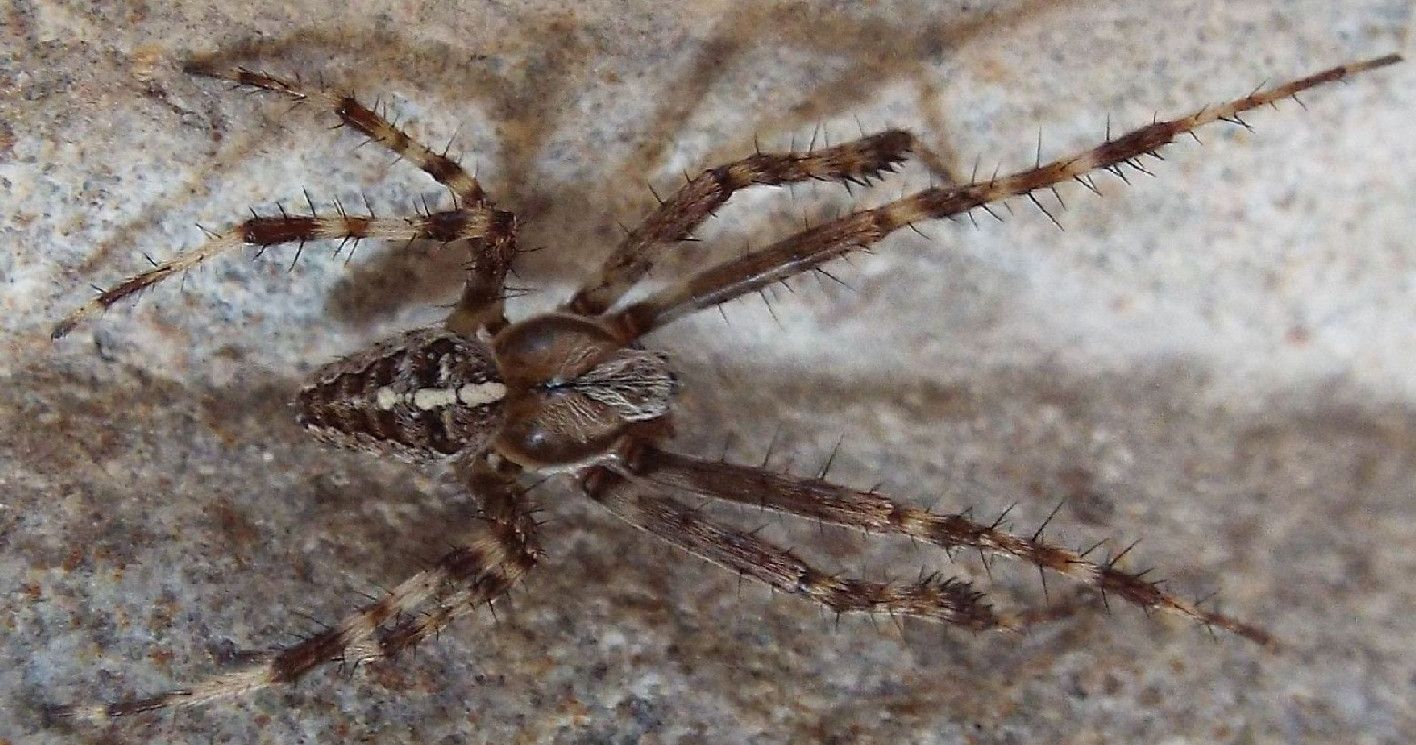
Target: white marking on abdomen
(478, 394)
(428, 399)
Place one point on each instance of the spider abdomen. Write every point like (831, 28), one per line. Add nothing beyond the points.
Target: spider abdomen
(425, 394)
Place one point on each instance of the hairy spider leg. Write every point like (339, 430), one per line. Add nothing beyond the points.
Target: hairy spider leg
(872, 512)
(465, 578)
(480, 307)
(446, 227)
(510, 517)
(362, 119)
(811, 248)
(855, 162)
(636, 502)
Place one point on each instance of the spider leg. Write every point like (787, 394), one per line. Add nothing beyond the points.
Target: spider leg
(359, 117)
(446, 226)
(811, 248)
(480, 306)
(635, 501)
(480, 309)
(857, 162)
(871, 512)
(510, 519)
(481, 570)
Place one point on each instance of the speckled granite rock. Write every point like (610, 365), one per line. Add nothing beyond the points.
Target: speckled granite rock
(1217, 360)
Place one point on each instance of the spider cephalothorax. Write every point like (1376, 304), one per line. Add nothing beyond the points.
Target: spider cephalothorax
(575, 391)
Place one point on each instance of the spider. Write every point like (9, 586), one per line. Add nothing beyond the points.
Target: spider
(575, 392)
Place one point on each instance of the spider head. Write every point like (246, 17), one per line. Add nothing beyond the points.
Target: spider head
(573, 390)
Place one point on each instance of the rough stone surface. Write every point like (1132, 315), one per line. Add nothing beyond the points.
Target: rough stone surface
(1217, 360)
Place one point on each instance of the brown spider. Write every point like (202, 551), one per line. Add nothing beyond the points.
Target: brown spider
(574, 392)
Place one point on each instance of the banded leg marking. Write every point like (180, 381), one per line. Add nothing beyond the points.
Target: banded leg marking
(446, 226)
(943, 600)
(811, 248)
(871, 512)
(359, 117)
(479, 571)
(855, 162)
(513, 527)
(480, 306)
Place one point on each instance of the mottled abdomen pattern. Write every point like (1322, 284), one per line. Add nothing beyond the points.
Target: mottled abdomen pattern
(425, 394)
